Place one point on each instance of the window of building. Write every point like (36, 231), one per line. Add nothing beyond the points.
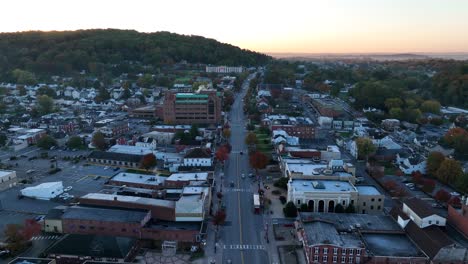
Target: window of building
(379, 200)
(372, 207)
(378, 207)
(437, 222)
(325, 251)
(358, 251)
(335, 251)
(344, 202)
(430, 221)
(350, 260)
(298, 201)
(352, 202)
(364, 204)
(315, 258)
(325, 258)
(343, 259)
(358, 260)
(82, 227)
(334, 259)
(316, 250)
(351, 251)
(372, 199)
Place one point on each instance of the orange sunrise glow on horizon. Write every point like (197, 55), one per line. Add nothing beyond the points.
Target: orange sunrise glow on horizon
(322, 26)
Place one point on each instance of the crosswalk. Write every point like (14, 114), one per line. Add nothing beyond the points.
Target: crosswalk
(34, 238)
(240, 190)
(245, 247)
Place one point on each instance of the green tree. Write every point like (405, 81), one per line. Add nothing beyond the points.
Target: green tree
(21, 90)
(450, 171)
(46, 142)
(430, 106)
(350, 209)
(145, 81)
(339, 209)
(45, 104)
(365, 147)
(290, 210)
(24, 77)
(126, 93)
(396, 112)
(103, 95)
(393, 103)
(433, 162)
(99, 141)
(75, 142)
(462, 183)
(194, 131)
(3, 139)
(46, 90)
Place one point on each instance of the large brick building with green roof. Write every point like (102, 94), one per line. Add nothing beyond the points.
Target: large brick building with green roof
(192, 108)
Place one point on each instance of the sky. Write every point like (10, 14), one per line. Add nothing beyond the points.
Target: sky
(296, 26)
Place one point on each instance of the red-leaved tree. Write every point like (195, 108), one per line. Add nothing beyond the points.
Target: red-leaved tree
(442, 195)
(258, 160)
(428, 185)
(148, 161)
(222, 154)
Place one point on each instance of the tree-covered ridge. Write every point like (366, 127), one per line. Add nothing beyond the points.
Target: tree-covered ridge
(68, 51)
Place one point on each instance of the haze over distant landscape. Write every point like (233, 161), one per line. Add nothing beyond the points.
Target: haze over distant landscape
(322, 26)
(371, 56)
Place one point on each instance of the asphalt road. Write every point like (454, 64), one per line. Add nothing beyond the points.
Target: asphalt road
(241, 239)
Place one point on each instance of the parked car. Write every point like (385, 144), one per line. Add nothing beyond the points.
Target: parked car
(67, 189)
(232, 184)
(116, 169)
(243, 176)
(96, 177)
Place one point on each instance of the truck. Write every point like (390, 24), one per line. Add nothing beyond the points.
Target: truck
(256, 201)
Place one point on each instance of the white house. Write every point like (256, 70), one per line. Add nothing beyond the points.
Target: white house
(198, 157)
(421, 213)
(409, 165)
(43, 191)
(7, 179)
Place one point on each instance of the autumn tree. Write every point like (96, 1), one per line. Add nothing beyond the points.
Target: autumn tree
(417, 177)
(365, 147)
(455, 135)
(148, 161)
(258, 160)
(455, 201)
(31, 228)
(450, 170)
(251, 139)
(428, 185)
(226, 132)
(434, 160)
(222, 154)
(442, 195)
(99, 141)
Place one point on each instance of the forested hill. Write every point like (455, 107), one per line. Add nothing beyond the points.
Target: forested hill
(65, 51)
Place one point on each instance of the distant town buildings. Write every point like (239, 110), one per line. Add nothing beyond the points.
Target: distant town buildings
(224, 69)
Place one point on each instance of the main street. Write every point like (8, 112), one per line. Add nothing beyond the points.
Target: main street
(242, 238)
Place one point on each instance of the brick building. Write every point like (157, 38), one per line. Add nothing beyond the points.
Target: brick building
(192, 108)
(355, 238)
(459, 217)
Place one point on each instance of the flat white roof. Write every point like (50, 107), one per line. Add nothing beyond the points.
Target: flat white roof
(136, 150)
(188, 190)
(367, 190)
(138, 178)
(322, 186)
(306, 169)
(199, 176)
(129, 199)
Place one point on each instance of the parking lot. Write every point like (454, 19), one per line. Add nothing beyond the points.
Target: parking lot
(81, 177)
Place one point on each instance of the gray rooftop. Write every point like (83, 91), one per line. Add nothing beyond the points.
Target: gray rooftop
(138, 178)
(104, 214)
(366, 222)
(318, 232)
(129, 199)
(391, 245)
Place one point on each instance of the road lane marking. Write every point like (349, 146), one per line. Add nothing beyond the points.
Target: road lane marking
(239, 209)
(245, 247)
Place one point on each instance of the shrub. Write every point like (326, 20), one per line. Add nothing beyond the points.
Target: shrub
(282, 199)
(276, 192)
(282, 183)
(290, 210)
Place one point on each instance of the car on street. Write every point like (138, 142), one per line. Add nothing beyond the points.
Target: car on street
(251, 175)
(67, 189)
(30, 171)
(106, 167)
(96, 177)
(436, 205)
(243, 176)
(231, 184)
(242, 153)
(410, 185)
